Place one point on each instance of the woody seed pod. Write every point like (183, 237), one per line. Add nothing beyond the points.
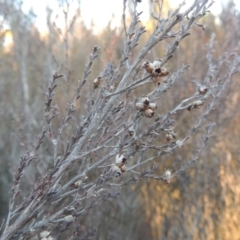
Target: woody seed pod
(115, 171)
(169, 137)
(145, 100)
(123, 168)
(44, 234)
(69, 218)
(153, 106)
(157, 64)
(96, 82)
(198, 103)
(148, 66)
(139, 106)
(195, 104)
(156, 79)
(156, 71)
(164, 72)
(77, 184)
(131, 131)
(202, 89)
(167, 175)
(120, 160)
(149, 113)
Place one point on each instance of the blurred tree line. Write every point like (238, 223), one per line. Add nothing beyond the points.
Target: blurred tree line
(204, 202)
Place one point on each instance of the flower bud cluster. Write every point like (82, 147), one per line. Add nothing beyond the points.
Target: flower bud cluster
(156, 70)
(145, 106)
(119, 166)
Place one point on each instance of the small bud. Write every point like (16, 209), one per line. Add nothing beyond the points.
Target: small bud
(195, 104)
(115, 171)
(78, 184)
(44, 234)
(189, 108)
(149, 113)
(120, 160)
(156, 72)
(111, 89)
(180, 143)
(169, 137)
(145, 100)
(167, 175)
(156, 79)
(97, 82)
(170, 134)
(123, 168)
(153, 106)
(164, 72)
(69, 218)
(202, 89)
(198, 103)
(157, 64)
(139, 106)
(148, 66)
(131, 131)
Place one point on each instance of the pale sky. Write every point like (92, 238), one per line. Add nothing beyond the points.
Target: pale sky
(97, 11)
(100, 11)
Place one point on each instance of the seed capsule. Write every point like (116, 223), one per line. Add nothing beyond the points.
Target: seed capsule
(69, 218)
(156, 79)
(195, 104)
(123, 168)
(149, 113)
(164, 72)
(78, 184)
(156, 71)
(157, 64)
(169, 137)
(202, 89)
(120, 160)
(198, 103)
(153, 106)
(167, 175)
(115, 171)
(139, 106)
(148, 66)
(145, 100)
(96, 82)
(44, 234)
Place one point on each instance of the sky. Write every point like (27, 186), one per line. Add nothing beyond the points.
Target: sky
(100, 11)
